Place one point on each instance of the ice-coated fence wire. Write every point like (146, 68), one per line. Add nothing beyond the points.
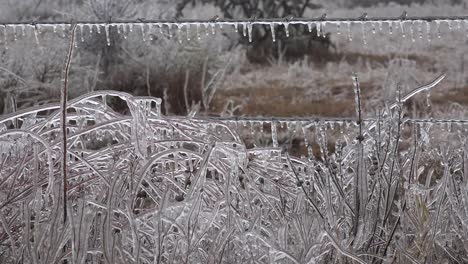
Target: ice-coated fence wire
(408, 25)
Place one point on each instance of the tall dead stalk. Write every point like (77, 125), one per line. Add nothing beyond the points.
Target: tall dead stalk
(63, 119)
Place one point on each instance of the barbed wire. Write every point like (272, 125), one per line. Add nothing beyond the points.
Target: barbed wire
(318, 119)
(253, 21)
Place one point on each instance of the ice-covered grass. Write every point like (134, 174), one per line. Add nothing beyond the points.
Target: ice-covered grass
(148, 188)
(143, 187)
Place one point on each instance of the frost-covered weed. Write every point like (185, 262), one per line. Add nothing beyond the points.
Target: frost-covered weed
(148, 188)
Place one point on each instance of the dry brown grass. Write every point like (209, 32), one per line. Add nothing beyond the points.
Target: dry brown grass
(283, 101)
(459, 96)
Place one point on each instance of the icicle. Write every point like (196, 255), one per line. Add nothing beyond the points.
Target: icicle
(309, 26)
(54, 28)
(64, 31)
(244, 29)
(198, 32)
(119, 29)
(428, 99)
(15, 37)
(373, 29)
(420, 30)
(249, 31)
(124, 31)
(142, 29)
(98, 29)
(363, 28)
(318, 27)
(274, 135)
(380, 26)
(252, 129)
(350, 34)
(288, 126)
(261, 126)
(90, 27)
(5, 37)
(187, 27)
(23, 30)
(338, 28)
(402, 27)
(106, 28)
(213, 29)
(169, 28)
(322, 29)
(412, 32)
(236, 27)
(81, 32)
(75, 43)
(439, 35)
(390, 27)
(310, 152)
(306, 140)
(179, 29)
(295, 128)
(130, 27)
(466, 28)
(286, 28)
(36, 35)
(272, 28)
(450, 25)
(150, 31)
(428, 29)
(160, 27)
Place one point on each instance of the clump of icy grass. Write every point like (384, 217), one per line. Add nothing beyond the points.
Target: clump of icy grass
(146, 188)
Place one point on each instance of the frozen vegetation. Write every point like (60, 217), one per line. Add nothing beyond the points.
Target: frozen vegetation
(122, 176)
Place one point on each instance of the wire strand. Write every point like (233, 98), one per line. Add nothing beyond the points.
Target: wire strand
(252, 21)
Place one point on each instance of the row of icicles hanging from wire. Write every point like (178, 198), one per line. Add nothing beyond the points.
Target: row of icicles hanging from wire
(412, 29)
(303, 128)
